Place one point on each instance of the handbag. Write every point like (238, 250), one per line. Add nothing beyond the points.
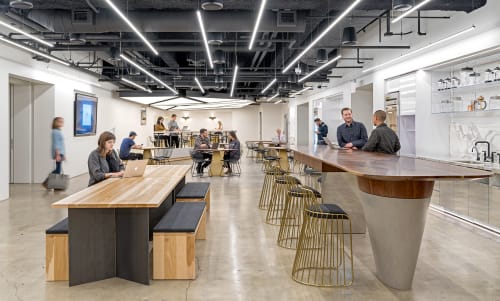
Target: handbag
(57, 181)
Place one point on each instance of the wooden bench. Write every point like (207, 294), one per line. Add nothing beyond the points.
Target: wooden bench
(174, 241)
(194, 192)
(56, 252)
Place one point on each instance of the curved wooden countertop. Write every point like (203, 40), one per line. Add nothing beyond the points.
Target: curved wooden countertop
(382, 166)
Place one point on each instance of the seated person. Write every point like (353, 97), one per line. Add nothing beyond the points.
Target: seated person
(202, 142)
(233, 154)
(127, 145)
(382, 139)
(279, 138)
(160, 127)
(103, 162)
(351, 134)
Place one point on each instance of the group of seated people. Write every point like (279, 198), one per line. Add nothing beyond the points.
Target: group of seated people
(202, 144)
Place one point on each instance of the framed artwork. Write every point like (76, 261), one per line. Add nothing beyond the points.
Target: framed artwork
(85, 115)
(143, 116)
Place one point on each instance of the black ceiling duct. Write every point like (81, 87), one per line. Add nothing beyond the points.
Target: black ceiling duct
(215, 38)
(402, 5)
(349, 36)
(219, 79)
(212, 4)
(219, 57)
(218, 69)
(321, 56)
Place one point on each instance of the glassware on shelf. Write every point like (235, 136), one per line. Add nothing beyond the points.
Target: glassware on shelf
(496, 74)
(458, 104)
(455, 82)
(465, 80)
(494, 102)
(475, 78)
(447, 83)
(446, 106)
(480, 104)
(489, 75)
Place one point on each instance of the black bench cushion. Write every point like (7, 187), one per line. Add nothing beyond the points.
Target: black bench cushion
(193, 190)
(317, 211)
(182, 217)
(59, 228)
(284, 179)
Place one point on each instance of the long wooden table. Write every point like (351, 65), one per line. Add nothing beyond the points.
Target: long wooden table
(110, 224)
(396, 192)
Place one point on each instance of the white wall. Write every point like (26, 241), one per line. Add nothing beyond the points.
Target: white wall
(362, 108)
(22, 142)
(43, 102)
(272, 118)
(113, 113)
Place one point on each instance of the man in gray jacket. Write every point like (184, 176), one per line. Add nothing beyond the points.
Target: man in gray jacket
(382, 139)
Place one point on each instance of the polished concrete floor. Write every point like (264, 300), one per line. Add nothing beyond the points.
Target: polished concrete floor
(240, 259)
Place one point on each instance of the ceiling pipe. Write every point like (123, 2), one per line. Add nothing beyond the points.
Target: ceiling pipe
(92, 7)
(170, 48)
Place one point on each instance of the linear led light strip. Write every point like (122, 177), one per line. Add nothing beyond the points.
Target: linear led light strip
(26, 34)
(274, 96)
(268, 86)
(257, 23)
(348, 10)
(126, 20)
(148, 73)
(205, 41)
(50, 57)
(406, 13)
(135, 85)
(301, 91)
(199, 85)
(233, 84)
(421, 49)
(320, 68)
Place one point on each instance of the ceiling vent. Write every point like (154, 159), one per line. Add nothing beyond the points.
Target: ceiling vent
(82, 17)
(21, 4)
(212, 4)
(402, 5)
(287, 18)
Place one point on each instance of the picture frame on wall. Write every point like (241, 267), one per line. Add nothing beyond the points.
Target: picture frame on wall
(85, 115)
(143, 116)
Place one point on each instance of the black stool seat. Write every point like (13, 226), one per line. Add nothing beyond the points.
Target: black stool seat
(326, 211)
(283, 180)
(59, 228)
(271, 158)
(300, 191)
(275, 172)
(182, 217)
(193, 190)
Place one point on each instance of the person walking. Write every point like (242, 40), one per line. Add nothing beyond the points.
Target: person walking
(58, 150)
(322, 131)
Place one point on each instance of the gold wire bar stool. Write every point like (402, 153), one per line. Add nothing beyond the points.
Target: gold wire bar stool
(324, 252)
(298, 198)
(313, 178)
(271, 172)
(282, 184)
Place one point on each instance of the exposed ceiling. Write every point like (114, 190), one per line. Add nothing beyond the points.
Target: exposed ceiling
(93, 36)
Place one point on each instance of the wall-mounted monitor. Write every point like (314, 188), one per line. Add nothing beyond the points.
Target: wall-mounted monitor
(85, 115)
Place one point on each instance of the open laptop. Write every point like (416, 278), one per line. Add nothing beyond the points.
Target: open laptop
(135, 168)
(331, 144)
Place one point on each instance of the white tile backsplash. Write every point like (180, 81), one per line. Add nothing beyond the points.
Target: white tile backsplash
(463, 134)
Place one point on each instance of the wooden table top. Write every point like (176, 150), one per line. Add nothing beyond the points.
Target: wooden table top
(148, 191)
(388, 167)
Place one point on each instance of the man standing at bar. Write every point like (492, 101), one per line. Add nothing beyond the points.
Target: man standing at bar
(382, 139)
(322, 131)
(351, 134)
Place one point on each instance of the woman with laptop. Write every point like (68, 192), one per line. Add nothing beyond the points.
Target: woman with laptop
(104, 162)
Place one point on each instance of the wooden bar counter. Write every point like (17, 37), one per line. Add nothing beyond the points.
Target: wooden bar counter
(395, 193)
(111, 222)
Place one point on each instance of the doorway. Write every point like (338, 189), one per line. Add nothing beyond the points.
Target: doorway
(303, 131)
(31, 106)
(362, 106)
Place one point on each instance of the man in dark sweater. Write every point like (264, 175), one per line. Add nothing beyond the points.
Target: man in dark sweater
(382, 139)
(351, 134)
(321, 132)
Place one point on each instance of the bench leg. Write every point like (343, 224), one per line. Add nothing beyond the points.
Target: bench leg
(56, 257)
(174, 256)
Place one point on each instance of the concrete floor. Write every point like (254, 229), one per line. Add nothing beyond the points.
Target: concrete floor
(240, 259)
